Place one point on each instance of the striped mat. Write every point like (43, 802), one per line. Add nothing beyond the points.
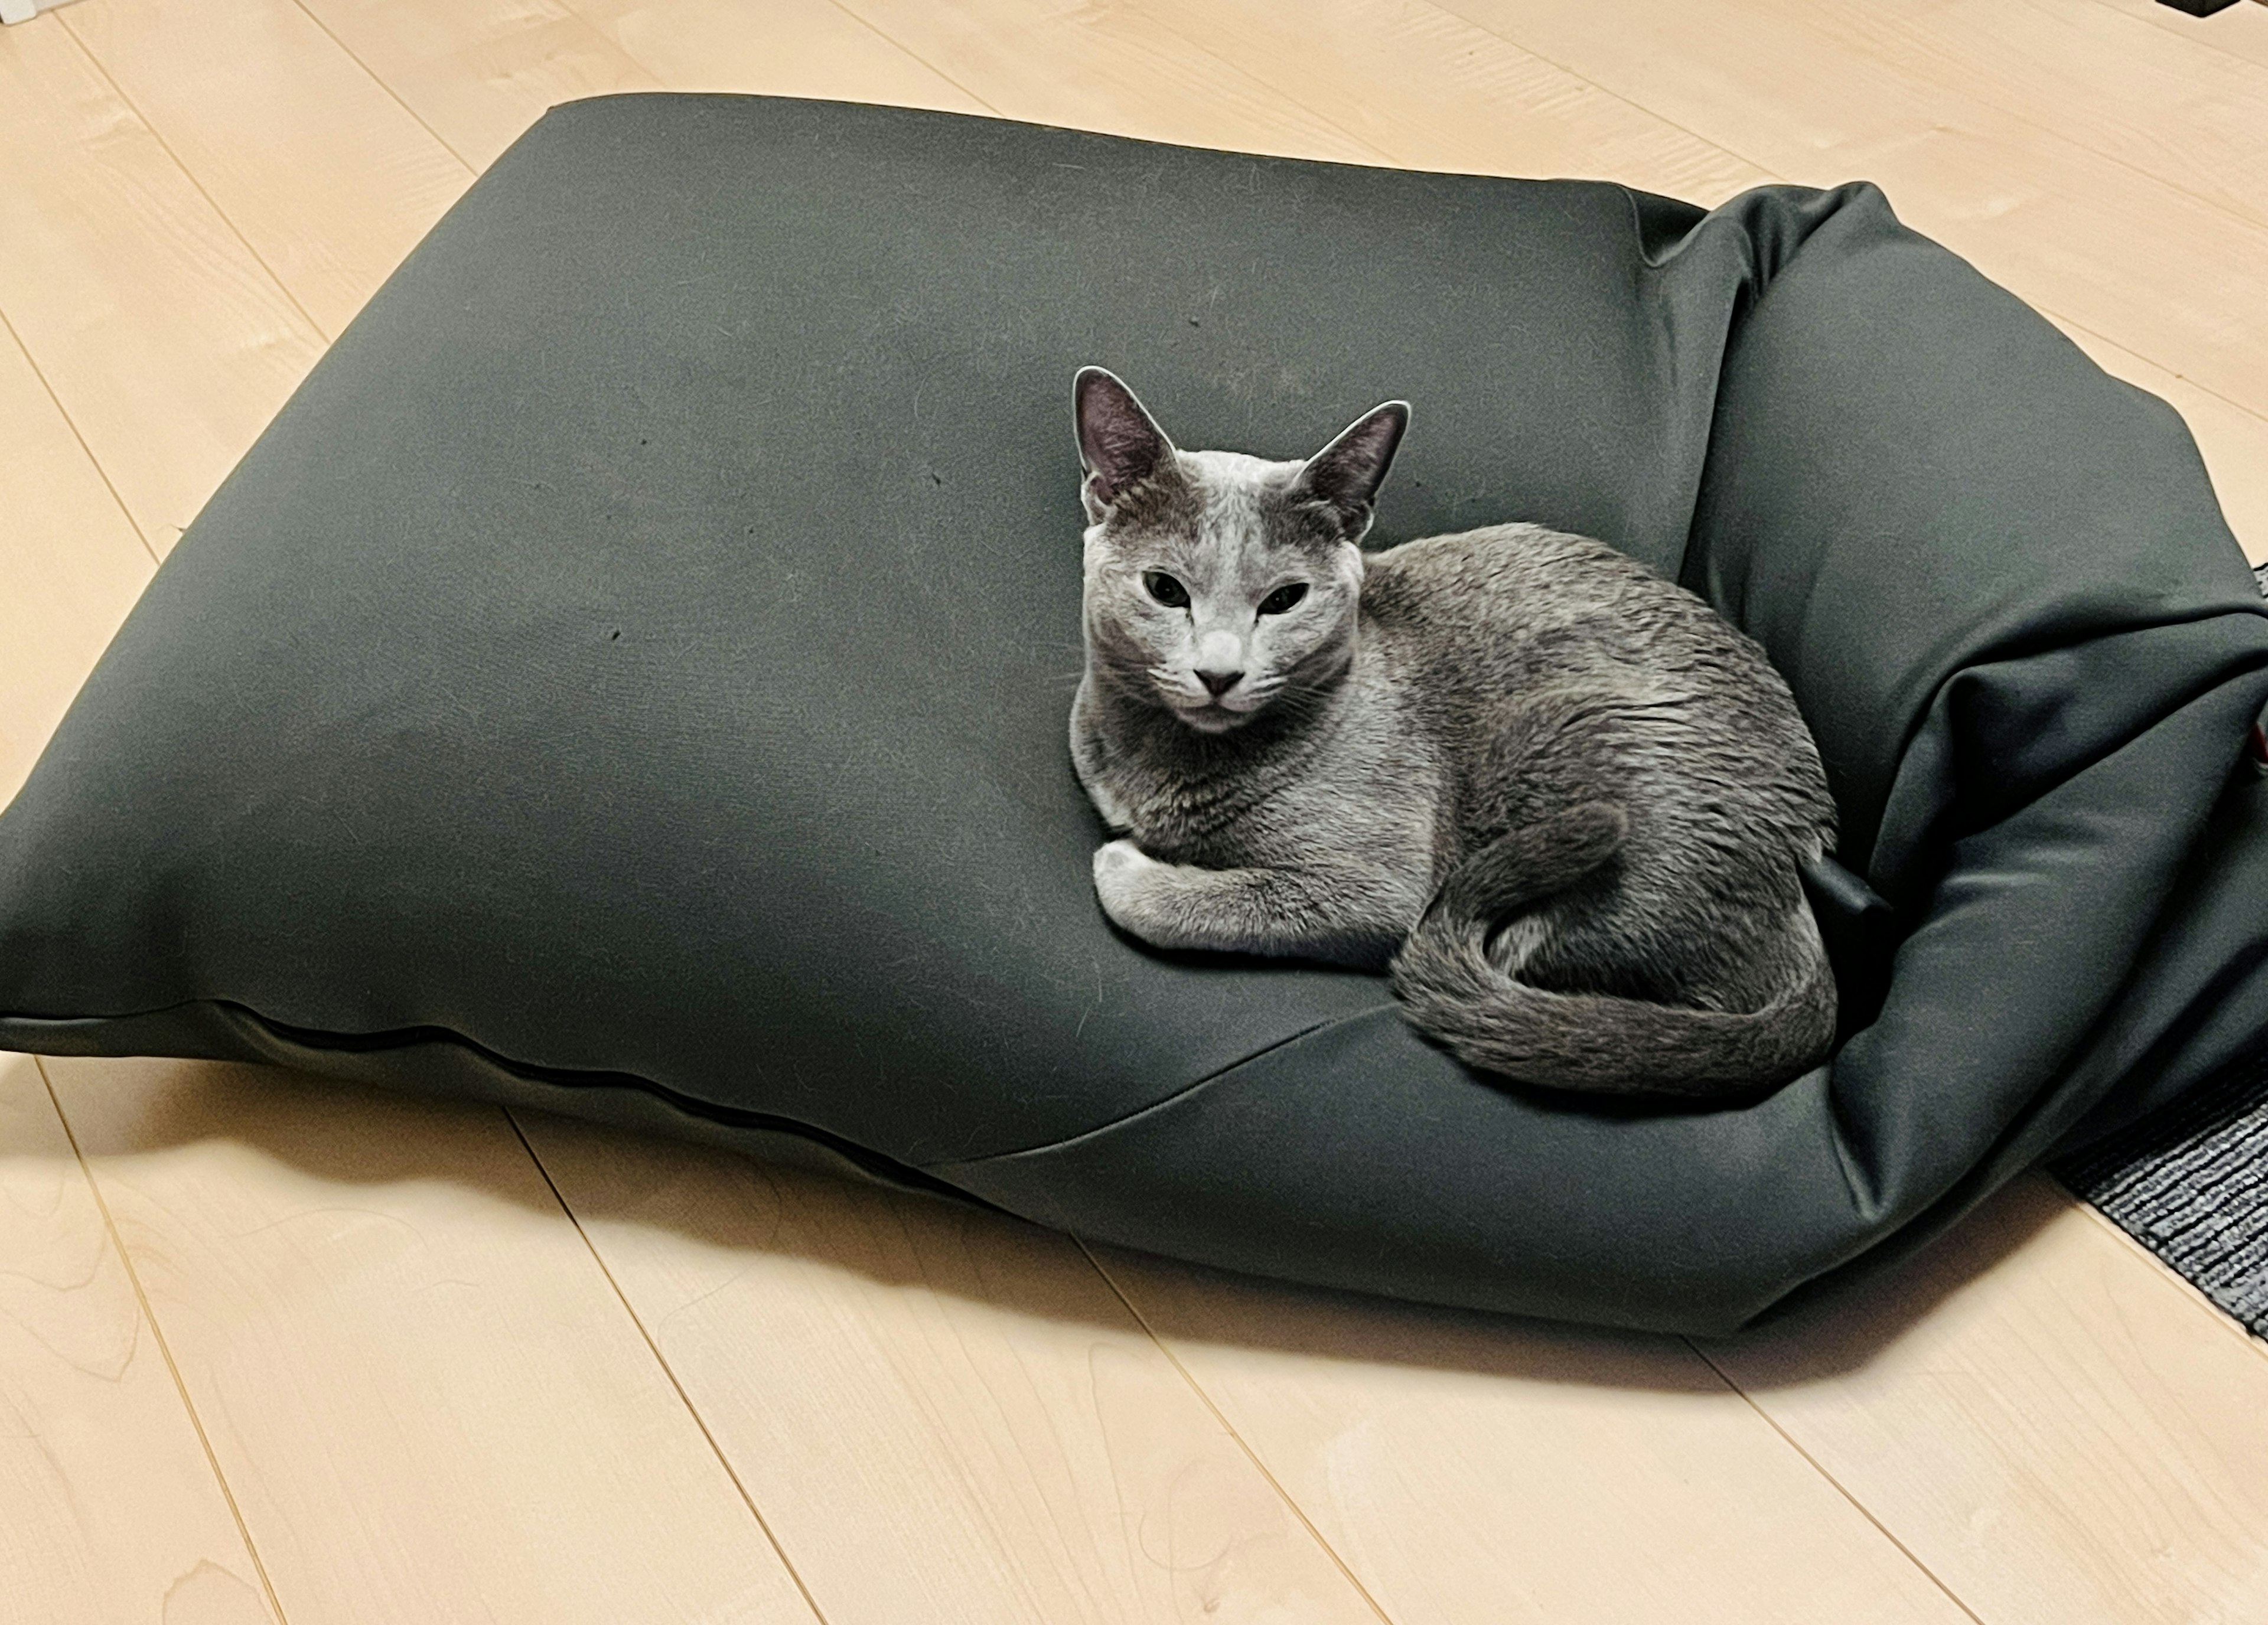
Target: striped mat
(2191, 1183)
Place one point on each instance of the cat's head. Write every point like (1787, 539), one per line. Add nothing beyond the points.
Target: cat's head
(1217, 584)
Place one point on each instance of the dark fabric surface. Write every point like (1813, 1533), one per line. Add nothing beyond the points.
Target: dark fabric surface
(635, 664)
(2190, 1182)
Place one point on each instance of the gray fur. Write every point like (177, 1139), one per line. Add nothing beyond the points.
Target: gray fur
(1560, 799)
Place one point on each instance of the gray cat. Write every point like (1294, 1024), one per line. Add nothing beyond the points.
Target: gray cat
(1563, 801)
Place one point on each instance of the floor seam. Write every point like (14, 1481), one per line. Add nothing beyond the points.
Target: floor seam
(189, 175)
(371, 73)
(1386, 158)
(72, 424)
(2189, 1288)
(1840, 1489)
(164, 1349)
(897, 44)
(2053, 133)
(1604, 90)
(2228, 400)
(1250, 1454)
(2212, 45)
(1779, 179)
(667, 1371)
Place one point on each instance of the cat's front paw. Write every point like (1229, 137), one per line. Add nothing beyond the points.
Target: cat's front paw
(1119, 862)
(1121, 871)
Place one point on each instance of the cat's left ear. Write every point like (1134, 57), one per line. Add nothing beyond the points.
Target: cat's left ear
(1347, 473)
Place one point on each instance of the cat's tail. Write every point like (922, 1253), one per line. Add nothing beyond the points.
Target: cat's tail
(1593, 1043)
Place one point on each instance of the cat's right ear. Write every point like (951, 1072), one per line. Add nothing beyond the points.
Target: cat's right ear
(1120, 445)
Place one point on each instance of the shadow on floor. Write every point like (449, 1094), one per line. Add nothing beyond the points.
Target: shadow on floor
(608, 1178)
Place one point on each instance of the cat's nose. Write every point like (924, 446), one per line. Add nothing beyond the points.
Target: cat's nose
(1219, 683)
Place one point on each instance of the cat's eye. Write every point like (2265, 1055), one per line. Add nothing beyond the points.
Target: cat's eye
(1165, 590)
(1282, 598)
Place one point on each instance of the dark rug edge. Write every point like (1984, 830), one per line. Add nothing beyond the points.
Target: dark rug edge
(2191, 1183)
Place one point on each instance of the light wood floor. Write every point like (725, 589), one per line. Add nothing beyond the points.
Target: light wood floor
(272, 1349)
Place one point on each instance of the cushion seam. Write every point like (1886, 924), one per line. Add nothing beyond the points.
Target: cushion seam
(881, 1163)
(1140, 1112)
(571, 1077)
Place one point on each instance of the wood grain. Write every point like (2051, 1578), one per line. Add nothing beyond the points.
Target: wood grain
(1428, 90)
(166, 341)
(478, 72)
(109, 1509)
(1474, 1468)
(946, 1415)
(1105, 66)
(2063, 1431)
(2165, 103)
(429, 1400)
(2239, 32)
(71, 565)
(327, 177)
(780, 48)
(2168, 275)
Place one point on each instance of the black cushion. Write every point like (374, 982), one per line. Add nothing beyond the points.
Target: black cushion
(632, 677)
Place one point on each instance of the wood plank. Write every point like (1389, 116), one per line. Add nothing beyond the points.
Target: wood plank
(2059, 1429)
(328, 179)
(428, 1399)
(167, 344)
(2216, 1317)
(2238, 32)
(2232, 441)
(71, 565)
(1475, 1468)
(1430, 91)
(781, 48)
(946, 1415)
(2169, 276)
(1105, 68)
(478, 72)
(109, 1509)
(2164, 103)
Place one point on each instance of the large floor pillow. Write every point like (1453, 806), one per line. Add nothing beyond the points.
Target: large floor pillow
(631, 677)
